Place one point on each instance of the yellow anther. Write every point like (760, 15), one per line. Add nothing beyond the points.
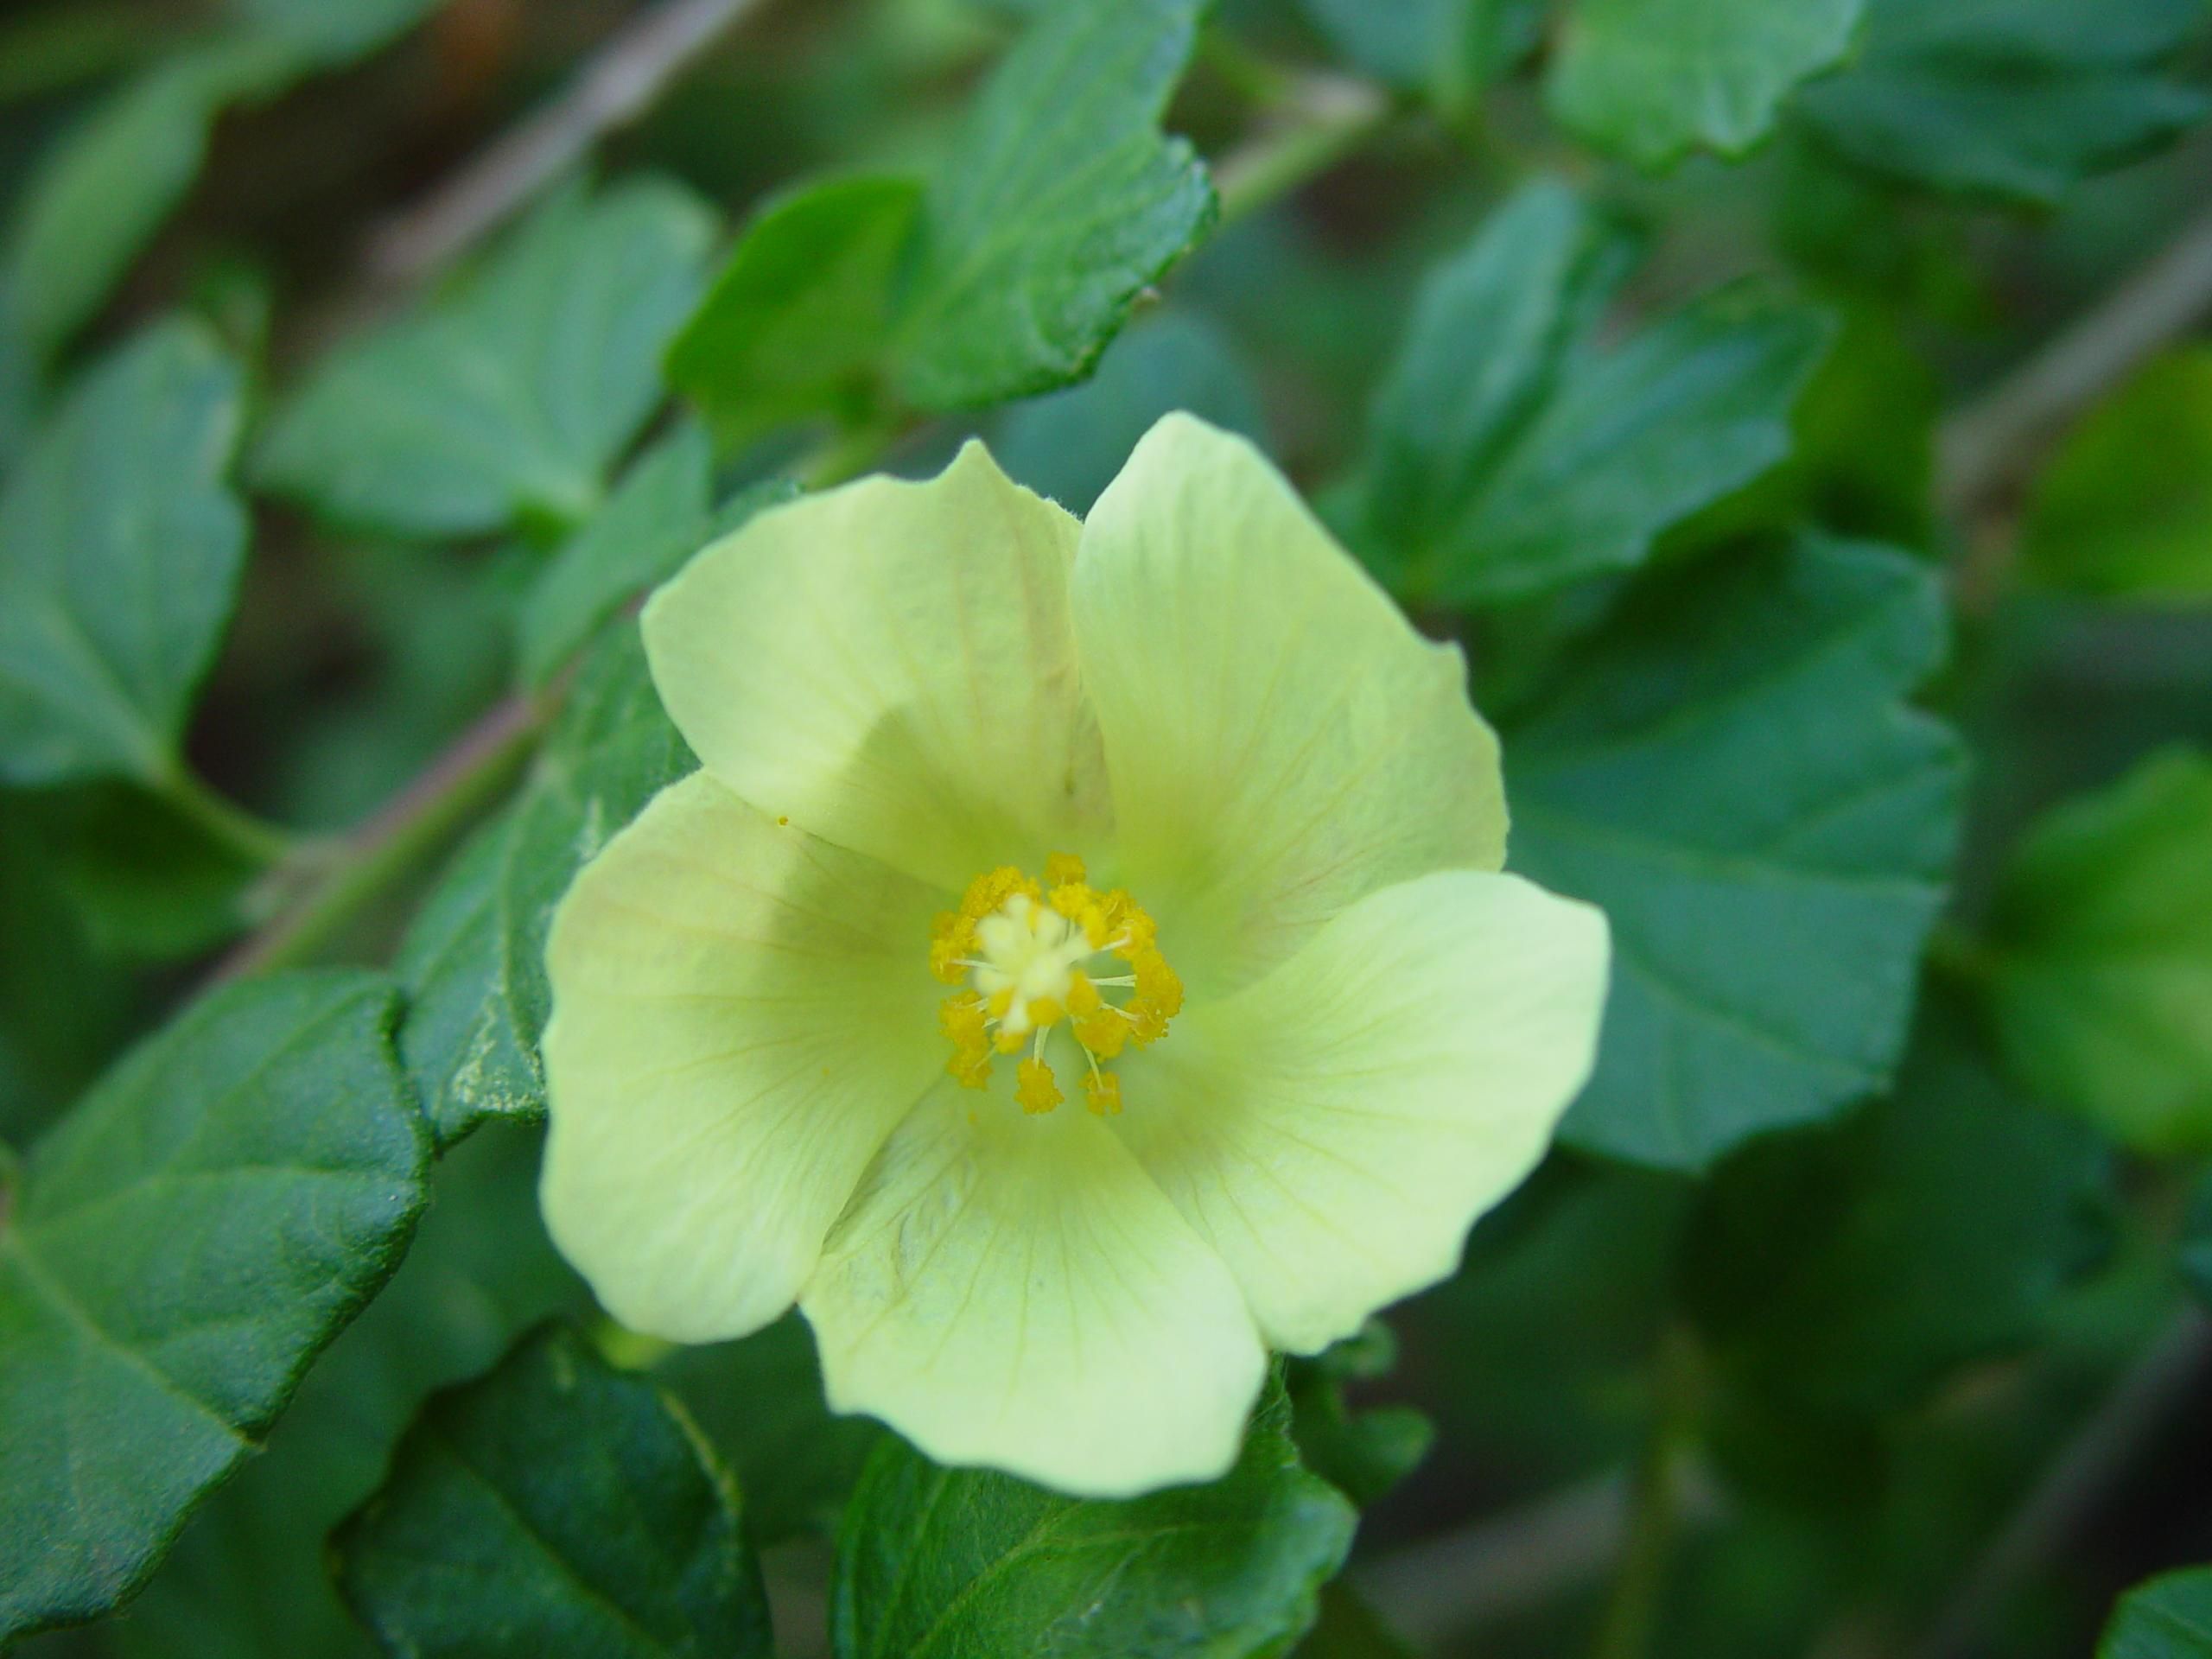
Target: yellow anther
(1102, 1092)
(953, 945)
(1082, 997)
(1103, 1033)
(1035, 1088)
(962, 1019)
(1043, 1012)
(1062, 868)
(1157, 983)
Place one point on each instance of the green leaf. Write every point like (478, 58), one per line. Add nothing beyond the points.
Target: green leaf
(760, 1400)
(1731, 770)
(2101, 941)
(555, 1507)
(1364, 1453)
(1852, 1266)
(183, 1245)
(2166, 1618)
(1057, 204)
(1070, 444)
(2016, 98)
(119, 557)
(799, 322)
(2196, 1241)
(145, 881)
(96, 197)
(1649, 79)
(935, 1562)
(1446, 49)
(2124, 510)
(473, 962)
(334, 31)
(508, 399)
(1509, 456)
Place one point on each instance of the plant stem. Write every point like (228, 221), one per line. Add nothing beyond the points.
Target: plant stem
(1633, 1613)
(1323, 119)
(253, 839)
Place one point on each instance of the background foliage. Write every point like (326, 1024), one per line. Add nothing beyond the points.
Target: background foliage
(1772, 395)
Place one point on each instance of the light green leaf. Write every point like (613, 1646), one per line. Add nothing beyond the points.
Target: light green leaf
(1649, 79)
(1851, 1267)
(1509, 456)
(938, 1563)
(799, 322)
(2124, 510)
(181, 1247)
(119, 555)
(96, 199)
(1447, 49)
(1068, 445)
(2166, 1618)
(2101, 982)
(473, 963)
(1057, 203)
(2012, 98)
(559, 1508)
(1731, 770)
(508, 398)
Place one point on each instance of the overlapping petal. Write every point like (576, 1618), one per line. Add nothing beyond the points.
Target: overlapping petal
(1334, 1128)
(739, 1020)
(890, 666)
(1280, 741)
(1015, 1292)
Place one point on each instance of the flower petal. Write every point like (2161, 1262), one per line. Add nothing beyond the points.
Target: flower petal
(1335, 1129)
(741, 1015)
(1280, 741)
(890, 666)
(1013, 1291)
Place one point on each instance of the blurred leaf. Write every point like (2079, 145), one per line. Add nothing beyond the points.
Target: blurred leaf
(1364, 1453)
(1511, 456)
(760, 1400)
(473, 962)
(1852, 1265)
(1447, 49)
(98, 196)
(1731, 770)
(145, 881)
(507, 398)
(1059, 202)
(2101, 973)
(934, 1563)
(655, 520)
(799, 321)
(2196, 1243)
(183, 1245)
(249, 1578)
(555, 1507)
(2013, 97)
(2124, 510)
(1349, 1628)
(1648, 80)
(1068, 445)
(335, 31)
(2166, 1618)
(119, 558)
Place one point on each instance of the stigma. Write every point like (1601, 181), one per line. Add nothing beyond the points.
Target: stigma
(1031, 957)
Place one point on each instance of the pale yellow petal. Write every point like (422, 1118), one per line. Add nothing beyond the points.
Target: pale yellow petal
(1335, 1129)
(740, 1014)
(1013, 1291)
(889, 665)
(1280, 741)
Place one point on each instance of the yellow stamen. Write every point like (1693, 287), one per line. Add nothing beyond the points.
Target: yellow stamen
(1102, 1092)
(1035, 1088)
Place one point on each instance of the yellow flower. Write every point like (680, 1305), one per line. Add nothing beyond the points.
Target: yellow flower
(1080, 964)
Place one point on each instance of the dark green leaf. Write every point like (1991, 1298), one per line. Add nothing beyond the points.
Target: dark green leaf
(934, 1563)
(1447, 49)
(2013, 97)
(119, 558)
(2124, 510)
(799, 322)
(1509, 456)
(145, 881)
(2196, 1243)
(1731, 770)
(182, 1246)
(508, 399)
(1068, 445)
(2102, 973)
(555, 1507)
(473, 963)
(99, 194)
(1852, 1265)
(1349, 1628)
(1649, 79)
(760, 1400)
(335, 31)
(2168, 1618)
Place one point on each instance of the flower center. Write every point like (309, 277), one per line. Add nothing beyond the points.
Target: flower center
(1026, 955)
